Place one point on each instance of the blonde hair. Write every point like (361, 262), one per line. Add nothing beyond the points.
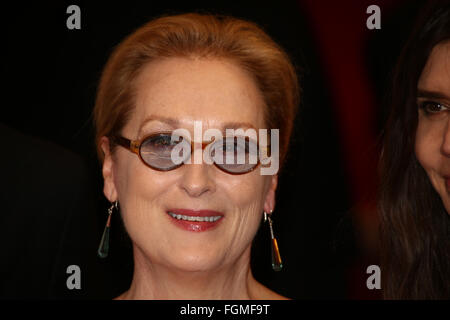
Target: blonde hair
(198, 35)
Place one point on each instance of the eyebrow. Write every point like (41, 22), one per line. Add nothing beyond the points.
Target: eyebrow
(175, 123)
(432, 94)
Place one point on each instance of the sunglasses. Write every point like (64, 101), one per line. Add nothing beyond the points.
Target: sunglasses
(164, 152)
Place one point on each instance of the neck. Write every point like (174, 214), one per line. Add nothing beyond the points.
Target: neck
(156, 281)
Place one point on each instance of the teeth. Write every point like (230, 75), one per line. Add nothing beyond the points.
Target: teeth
(194, 218)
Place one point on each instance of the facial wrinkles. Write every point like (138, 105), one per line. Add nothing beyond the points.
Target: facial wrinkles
(147, 191)
(201, 89)
(248, 214)
(241, 216)
(247, 217)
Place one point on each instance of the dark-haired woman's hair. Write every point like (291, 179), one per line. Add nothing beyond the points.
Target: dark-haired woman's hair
(415, 227)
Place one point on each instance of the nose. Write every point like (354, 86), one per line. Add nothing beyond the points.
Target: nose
(445, 146)
(197, 179)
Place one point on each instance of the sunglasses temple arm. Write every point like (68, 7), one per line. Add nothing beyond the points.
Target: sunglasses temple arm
(133, 146)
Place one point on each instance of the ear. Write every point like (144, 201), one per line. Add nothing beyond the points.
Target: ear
(269, 203)
(109, 188)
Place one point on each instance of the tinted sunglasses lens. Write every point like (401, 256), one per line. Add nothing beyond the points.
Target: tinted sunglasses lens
(157, 151)
(235, 155)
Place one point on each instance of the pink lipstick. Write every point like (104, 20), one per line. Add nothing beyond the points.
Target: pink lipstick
(195, 220)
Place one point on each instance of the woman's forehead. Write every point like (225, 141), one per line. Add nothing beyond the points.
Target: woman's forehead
(436, 73)
(187, 90)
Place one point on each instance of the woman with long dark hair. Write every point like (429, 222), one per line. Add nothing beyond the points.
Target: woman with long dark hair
(415, 165)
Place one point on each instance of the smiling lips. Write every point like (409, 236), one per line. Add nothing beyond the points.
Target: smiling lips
(193, 220)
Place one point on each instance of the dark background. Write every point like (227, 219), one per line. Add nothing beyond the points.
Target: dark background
(325, 218)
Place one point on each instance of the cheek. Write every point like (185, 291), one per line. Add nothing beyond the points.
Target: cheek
(246, 196)
(140, 189)
(245, 191)
(427, 144)
(245, 202)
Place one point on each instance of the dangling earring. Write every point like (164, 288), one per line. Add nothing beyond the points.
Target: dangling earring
(277, 264)
(103, 248)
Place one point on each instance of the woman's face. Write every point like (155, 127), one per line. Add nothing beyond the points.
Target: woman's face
(171, 94)
(433, 130)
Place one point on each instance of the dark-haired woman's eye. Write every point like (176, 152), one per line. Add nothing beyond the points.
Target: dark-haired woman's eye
(431, 107)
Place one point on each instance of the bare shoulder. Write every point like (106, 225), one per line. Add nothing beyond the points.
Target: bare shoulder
(261, 292)
(121, 297)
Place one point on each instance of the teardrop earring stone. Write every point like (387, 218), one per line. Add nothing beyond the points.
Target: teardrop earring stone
(103, 248)
(277, 264)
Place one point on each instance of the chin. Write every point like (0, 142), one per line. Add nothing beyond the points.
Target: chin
(196, 260)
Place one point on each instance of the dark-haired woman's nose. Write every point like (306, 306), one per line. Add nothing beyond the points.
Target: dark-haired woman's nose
(445, 146)
(197, 179)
